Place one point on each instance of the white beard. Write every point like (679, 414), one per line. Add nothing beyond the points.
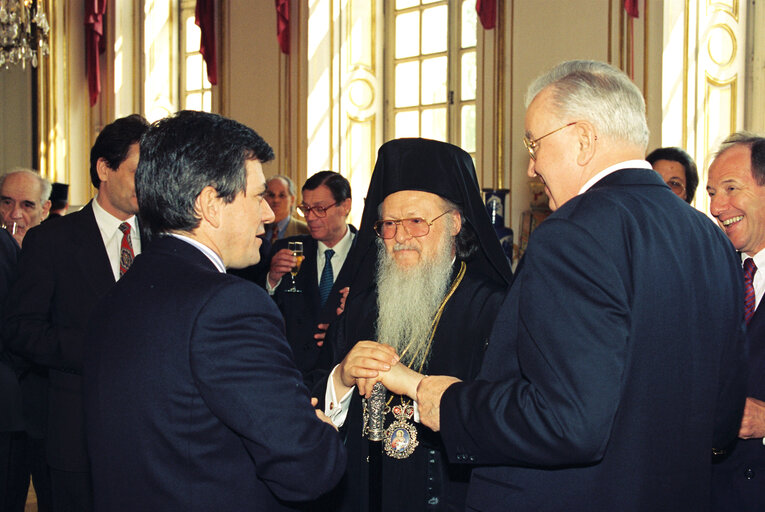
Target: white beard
(408, 299)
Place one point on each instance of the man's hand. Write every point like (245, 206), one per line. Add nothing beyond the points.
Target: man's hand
(281, 263)
(320, 334)
(343, 297)
(320, 414)
(402, 380)
(429, 393)
(362, 367)
(753, 422)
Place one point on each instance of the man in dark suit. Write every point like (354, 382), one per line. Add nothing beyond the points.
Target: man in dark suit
(65, 267)
(307, 313)
(736, 187)
(607, 381)
(191, 399)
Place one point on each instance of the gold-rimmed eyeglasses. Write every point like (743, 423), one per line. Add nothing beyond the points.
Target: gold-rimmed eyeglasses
(533, 144)
(677, 186)
(415, 227)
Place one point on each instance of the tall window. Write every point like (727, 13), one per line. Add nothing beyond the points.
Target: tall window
(196, 90)
(432, 71)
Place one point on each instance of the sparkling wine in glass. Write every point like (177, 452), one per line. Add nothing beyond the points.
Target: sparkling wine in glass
(297, 251)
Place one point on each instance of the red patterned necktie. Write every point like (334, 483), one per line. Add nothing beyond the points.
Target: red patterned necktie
(749, 298)
(126, 249)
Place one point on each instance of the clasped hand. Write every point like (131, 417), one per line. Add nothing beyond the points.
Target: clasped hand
(370, 362)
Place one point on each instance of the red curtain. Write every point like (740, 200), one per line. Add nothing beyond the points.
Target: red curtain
(95, 44)
(631, 6)
(283, 24)
(205, 19)
(487, 12)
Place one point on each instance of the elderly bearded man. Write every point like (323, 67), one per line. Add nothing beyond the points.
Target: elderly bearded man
(430, 276)
(608, 380)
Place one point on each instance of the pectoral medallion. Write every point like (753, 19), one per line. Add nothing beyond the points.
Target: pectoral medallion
(400, 438)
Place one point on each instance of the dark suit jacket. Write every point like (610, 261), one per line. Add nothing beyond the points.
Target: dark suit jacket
(303, 311)
(738, 477)
(11, 418)
(616, 363)
(191, 399)
(63, 271)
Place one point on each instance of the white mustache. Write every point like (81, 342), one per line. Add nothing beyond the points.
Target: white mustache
(406, 247)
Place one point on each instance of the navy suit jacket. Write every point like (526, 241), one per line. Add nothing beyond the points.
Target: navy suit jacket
(11, 418)
(303, 311)
(191, 399)
(63, 271)
(616, 363)
(738, 477)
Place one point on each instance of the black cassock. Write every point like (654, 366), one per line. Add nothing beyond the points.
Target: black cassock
(424, 480)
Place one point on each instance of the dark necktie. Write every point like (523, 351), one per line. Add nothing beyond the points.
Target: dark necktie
(274, 233)
(327, 277)
(126, 249)
(749, 298)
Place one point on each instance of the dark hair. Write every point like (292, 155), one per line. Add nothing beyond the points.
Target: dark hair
(680, 156)
(113, 143)
(756, 145)
(184, 153)
(334, 181)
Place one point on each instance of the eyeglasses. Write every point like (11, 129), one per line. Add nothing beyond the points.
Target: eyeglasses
(415, 227)
(677, 187)
(532, 145)
(319, 211)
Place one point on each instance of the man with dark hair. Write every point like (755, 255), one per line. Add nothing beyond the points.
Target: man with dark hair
(429, 277)
(193, 402)
(59, 200)
(736, 187)
(308, 311)
(65, 268)
(607, 381)
(678, 170)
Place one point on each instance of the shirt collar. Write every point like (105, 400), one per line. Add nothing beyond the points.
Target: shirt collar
(341, 247)
(108, 224)
(759, 260)
(629, 164)
(211, 255)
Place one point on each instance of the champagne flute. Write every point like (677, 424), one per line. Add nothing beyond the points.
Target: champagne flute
(297, 251)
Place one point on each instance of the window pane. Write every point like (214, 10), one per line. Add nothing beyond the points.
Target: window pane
(407, 34)
(407, 124)
(193, 35)
(435, 24)
(429, 1)
(194, 72)
(467, 122)
(194, 101)
(433, 80)
(207, 101)
(469, 24)
(434, 124)
(407, 84)
(468, 71)
(403, 4)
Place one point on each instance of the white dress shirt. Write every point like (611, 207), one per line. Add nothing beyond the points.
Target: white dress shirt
(109, 226)
(211, 255)
(629, 164)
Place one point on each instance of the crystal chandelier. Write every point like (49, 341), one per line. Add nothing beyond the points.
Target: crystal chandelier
(23, 33)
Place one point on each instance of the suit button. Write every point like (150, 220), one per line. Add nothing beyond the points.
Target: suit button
(472, 459)
(749, 473)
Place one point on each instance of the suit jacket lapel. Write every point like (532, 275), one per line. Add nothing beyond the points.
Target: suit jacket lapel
(92, 258)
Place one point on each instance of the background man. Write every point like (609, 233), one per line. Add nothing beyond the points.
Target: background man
(429, 278)
(24, 201)
(65, 268)
(24, 204)
(194, 404)
(280, 196)
(607, 382)
(59, 200)
(736, 187)
(326, 206)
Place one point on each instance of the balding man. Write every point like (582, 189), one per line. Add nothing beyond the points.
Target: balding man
(736, 187)
(607, 382)
(24, 201)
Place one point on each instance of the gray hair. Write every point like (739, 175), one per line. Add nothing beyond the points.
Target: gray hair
(287, 180)
(45, 185)
(756, 145)
(598, 93)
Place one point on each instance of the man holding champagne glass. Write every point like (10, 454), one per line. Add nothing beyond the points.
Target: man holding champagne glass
(311, 297)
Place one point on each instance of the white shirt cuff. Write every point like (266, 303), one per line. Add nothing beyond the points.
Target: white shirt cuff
(336, 410)
(271, 289)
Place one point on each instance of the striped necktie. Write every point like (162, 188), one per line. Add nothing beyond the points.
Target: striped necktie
(126, 249)
(327, 277)
(749, 298)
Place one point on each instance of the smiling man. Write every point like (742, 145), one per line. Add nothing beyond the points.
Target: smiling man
(193, 403)
(736, 187)
(607, 381)
(64, 269)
